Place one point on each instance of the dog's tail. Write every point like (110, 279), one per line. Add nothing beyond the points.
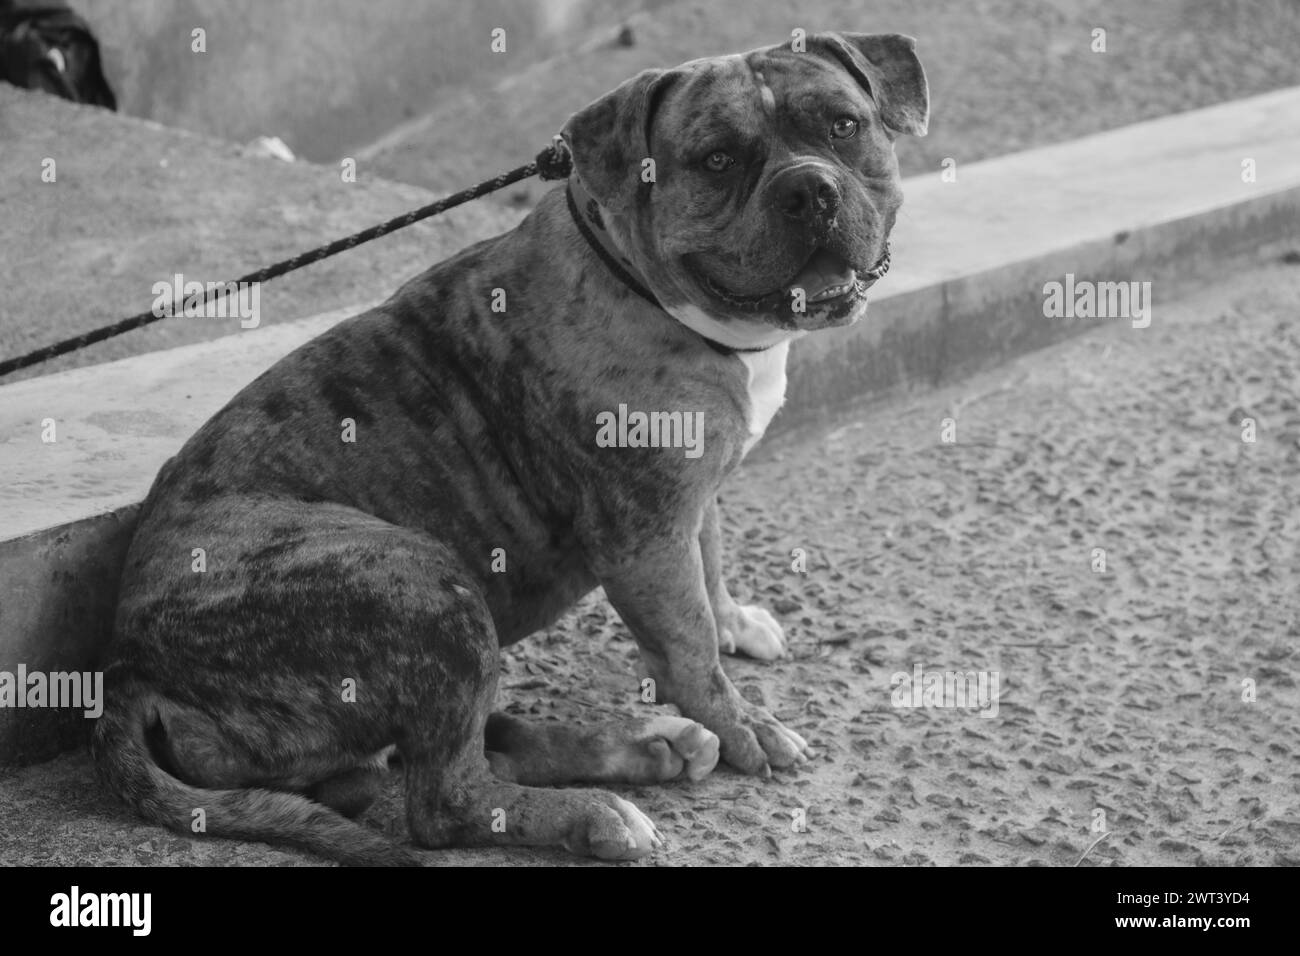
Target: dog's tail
(127, 767)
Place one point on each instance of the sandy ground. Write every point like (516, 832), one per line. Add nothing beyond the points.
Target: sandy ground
(135, 203)
(1121, 692)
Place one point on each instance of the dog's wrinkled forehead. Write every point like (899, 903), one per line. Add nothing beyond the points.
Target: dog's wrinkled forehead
(679, 110)
(747, 93)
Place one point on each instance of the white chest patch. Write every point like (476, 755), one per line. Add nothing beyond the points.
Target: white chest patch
(766, 388)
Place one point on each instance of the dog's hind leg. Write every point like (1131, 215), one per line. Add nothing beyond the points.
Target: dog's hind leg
(650, 750)
(466, 805)
(452, 796)
(351, 792)
(325, 638)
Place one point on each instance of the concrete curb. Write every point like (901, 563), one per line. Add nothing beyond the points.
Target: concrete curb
(1149, 202)
(932, 336)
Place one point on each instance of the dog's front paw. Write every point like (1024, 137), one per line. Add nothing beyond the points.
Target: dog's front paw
(614, 829)
(750, 630)
(759, 742)
(660, 749)
(678, 744)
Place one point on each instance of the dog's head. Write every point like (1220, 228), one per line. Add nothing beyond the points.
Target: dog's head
(755, 193)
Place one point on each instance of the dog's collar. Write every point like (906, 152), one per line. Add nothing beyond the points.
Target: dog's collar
(586, 216)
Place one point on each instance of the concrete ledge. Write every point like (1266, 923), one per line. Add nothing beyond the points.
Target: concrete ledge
(1149, 202)
(933, 335)
(115, 424)
(1154, 202)
(60, 590)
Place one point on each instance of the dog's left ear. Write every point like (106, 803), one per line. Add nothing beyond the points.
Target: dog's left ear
(610, 138)
(886, 66)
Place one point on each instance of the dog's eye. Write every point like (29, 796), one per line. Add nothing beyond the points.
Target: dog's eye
(718, 162)
(56, 57)
(844, 128)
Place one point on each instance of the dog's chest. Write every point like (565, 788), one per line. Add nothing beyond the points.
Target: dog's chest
(766, 388)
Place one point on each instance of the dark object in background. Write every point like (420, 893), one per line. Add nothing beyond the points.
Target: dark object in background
(48, 47)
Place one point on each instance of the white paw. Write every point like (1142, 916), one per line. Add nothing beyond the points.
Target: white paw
(750, 630)
(683, 744)
(620, 831)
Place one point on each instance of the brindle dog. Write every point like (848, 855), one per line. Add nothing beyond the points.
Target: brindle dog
(350, 603)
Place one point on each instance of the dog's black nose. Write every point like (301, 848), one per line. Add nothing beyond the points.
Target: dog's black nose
(809, 194)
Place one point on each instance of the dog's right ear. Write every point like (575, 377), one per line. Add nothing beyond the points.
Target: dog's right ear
(886, 66)
(610, 138)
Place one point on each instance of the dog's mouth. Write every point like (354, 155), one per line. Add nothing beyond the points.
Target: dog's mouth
(826, 278)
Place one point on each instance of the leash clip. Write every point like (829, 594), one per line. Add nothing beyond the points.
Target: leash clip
(555, 161)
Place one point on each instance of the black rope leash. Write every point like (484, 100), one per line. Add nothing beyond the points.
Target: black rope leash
(554, 162)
